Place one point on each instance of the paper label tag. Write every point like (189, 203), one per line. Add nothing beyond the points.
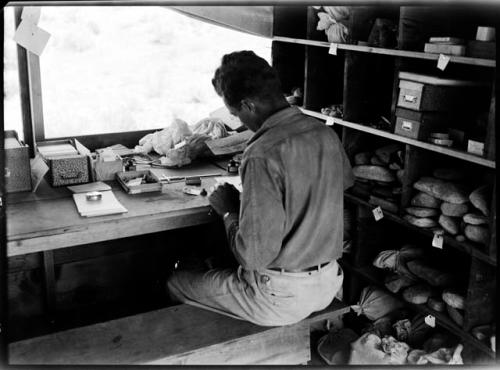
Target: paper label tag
(31, 14)
(31, 37)
(333, 49)
(377, 213)
(437, 240)
(407, 125)
(410, 98)
(443, 61)
(430, 320)
(329, 121)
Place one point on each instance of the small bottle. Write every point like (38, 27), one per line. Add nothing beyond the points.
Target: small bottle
(232, 166)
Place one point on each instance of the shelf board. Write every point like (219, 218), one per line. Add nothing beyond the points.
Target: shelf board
(392, 52)
(369, 273)
(466, 247)
(388, 135)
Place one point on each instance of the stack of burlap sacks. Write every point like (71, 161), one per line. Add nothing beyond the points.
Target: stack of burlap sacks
(378, 176)
(444, 203)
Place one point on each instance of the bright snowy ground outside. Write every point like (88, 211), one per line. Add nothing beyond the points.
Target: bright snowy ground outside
(112, 69)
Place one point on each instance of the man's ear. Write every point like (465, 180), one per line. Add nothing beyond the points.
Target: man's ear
(249, 105)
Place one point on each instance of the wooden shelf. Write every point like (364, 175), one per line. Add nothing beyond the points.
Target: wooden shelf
(391, 52)
(466, 247)
(388, 135)
(369, 273)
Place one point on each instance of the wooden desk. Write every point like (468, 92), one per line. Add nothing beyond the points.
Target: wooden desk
(49, 220)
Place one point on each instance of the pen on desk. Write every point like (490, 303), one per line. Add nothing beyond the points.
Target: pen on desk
(183, 178)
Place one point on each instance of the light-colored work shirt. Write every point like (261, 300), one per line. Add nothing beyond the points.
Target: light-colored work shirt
(294, 172)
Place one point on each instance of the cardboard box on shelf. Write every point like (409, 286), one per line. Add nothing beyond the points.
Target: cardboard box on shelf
(17, 164)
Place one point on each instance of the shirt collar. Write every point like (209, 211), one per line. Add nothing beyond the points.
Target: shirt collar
(280, 117)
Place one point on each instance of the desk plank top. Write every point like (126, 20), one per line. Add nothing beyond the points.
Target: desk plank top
(49, 219)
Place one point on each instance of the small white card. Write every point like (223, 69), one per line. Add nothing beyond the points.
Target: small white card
(333, 49)
(443, 61)
(377, 213)
(437, 240)
(430, 320)
(31, 14)
(38, 170)
(329, 121)
(31, 37)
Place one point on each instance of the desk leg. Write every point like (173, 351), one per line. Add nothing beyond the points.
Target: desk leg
(50, 284)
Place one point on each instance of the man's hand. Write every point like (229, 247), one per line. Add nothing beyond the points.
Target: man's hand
(225, 198)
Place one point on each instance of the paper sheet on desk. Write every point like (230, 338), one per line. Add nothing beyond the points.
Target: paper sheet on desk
(233, 180)
(230, 145)
(108, 205)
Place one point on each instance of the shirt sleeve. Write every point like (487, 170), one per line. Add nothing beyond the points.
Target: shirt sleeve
(259, 238)
(347, 170)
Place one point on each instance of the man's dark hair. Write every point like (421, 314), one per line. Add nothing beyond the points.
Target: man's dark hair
(243, 74)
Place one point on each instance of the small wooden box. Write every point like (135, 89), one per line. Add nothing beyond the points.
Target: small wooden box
(482, 49)
(439, 48)
(66, 169)
(429, 93)
(152, 183)
(17, 164)
(418, 125)
(107, 170)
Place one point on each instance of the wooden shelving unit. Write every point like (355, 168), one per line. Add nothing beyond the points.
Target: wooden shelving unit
(364, 81)
(370, 275)
(466, 247)
(420, 144)
(390, 52)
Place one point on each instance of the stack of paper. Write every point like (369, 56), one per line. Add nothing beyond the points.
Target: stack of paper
(55, 150)
(107, 205)
(233, 180)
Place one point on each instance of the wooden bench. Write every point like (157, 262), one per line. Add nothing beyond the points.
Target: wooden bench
(178, 335)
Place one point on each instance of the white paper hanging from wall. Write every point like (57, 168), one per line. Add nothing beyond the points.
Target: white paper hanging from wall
(31, 14)
(31, 37)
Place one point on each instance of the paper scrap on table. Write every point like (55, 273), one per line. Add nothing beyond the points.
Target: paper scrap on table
(38, 170)
(31, 37)
(31, 14)
(108, 205)
(233, 180)
(231, 144)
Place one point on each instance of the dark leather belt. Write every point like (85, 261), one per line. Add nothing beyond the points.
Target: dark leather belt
(309, 269)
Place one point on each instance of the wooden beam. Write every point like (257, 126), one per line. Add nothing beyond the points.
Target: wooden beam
(49, 284)
(24, 91)
(92, 142)
(490, 150)
(35, 84)
(402, 139)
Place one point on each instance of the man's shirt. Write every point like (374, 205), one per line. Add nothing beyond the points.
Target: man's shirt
(294, 172)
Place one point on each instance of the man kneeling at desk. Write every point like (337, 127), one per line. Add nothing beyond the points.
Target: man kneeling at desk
(287, 233)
